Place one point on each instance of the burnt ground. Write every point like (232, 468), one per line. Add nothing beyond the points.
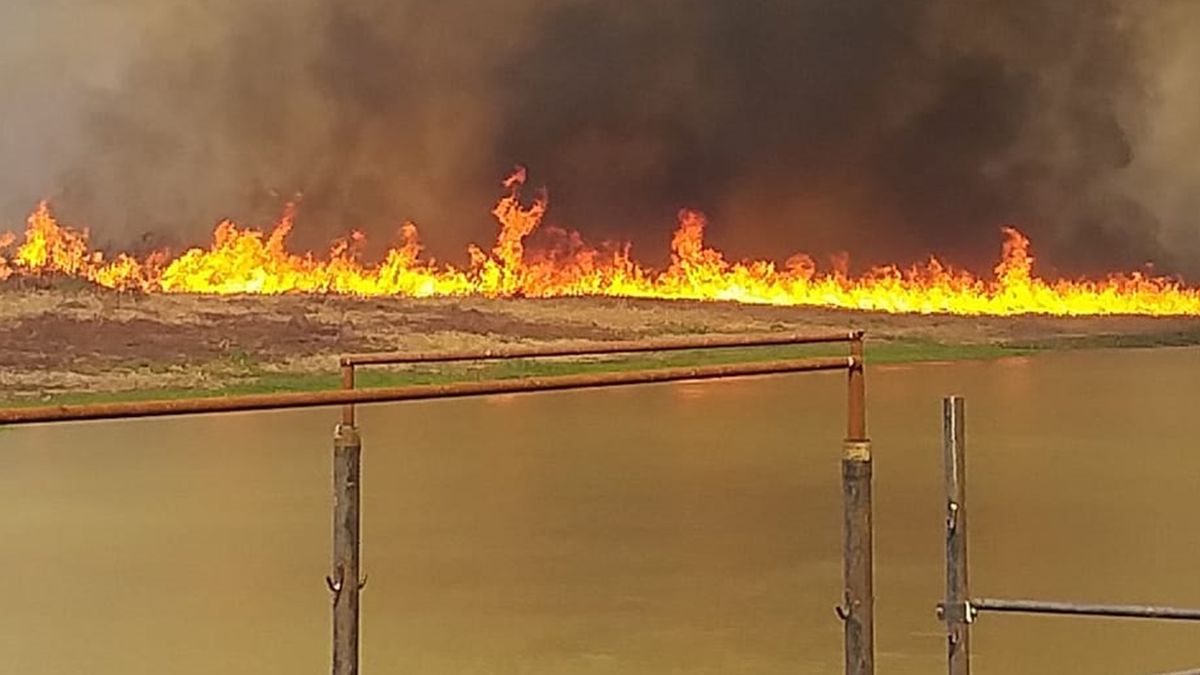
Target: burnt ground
(86, 339)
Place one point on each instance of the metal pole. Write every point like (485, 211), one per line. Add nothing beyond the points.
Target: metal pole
(422, 392)
(343, 582)
(956, 611)
(1081, 609)
(348, 384)
(599, 348)
(856, 418)
(858, 609)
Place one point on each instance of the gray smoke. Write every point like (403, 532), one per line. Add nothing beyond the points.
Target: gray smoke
(888, 128)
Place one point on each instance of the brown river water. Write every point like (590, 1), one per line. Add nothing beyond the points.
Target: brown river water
(685, 528)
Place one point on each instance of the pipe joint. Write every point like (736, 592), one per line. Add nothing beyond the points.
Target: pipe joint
(346, 434)
(856, 451)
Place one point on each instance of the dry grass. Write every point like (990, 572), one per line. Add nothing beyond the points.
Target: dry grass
(58, 340)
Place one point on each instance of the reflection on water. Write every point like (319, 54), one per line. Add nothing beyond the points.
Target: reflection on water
(688, 528)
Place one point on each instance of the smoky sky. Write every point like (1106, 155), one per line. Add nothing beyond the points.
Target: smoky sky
(892, 129)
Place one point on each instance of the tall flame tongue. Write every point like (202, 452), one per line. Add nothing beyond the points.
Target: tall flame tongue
(243, 260)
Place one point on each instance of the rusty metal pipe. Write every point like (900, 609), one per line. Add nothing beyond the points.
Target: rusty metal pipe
(348, 384)
(856, 409)
(597, 349)
(198, 406)
(1081, 609)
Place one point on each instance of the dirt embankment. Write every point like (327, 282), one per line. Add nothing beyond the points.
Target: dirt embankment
(93, 340)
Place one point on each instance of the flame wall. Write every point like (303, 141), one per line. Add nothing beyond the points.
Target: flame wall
(241, 261)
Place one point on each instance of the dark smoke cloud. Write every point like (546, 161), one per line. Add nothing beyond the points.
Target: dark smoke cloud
(888, 128)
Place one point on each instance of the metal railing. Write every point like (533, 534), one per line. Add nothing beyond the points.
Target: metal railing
(959, 610)
(350, 362)
(856, 610)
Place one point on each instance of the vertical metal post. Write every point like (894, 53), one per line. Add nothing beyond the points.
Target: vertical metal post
(348, 383)
(856, 417)
(858, 609)
(956, 610)
(343, 582)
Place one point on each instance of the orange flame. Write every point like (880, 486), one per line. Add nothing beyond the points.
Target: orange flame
(241, 260)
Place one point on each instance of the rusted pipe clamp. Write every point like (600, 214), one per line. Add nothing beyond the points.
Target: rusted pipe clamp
(957, 613)
(346, 434)
(858, 451)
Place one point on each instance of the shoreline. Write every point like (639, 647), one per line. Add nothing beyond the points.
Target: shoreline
(87, 345)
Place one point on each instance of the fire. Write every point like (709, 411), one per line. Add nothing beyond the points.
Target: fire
(243, 260)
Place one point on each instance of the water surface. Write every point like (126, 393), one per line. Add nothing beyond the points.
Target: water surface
(684, 528)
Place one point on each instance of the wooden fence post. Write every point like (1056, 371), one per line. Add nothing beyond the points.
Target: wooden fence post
(956, 611)
(344, 580)
(858, 555)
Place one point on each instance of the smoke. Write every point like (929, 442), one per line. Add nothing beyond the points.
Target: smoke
(888, 128)
(1165, 173)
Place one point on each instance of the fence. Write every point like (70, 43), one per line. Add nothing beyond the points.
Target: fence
(856, 610)
(959, 609)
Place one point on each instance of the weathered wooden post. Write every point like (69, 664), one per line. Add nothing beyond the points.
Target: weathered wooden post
(858, 609)
(956, 611)
(344, 580)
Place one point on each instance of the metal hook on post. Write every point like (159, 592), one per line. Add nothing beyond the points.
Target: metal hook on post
(845, 610)
(335, 587)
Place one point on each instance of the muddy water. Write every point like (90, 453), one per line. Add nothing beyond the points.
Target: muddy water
(686, 528)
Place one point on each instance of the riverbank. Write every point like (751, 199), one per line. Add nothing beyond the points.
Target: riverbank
(84, 344)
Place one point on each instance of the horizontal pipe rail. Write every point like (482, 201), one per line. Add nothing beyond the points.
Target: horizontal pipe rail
(1077, 609)
(198, 406)
(629, 347)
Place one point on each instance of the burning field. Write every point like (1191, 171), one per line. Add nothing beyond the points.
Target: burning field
(561, 264)
(958, 177)
(248, 313)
